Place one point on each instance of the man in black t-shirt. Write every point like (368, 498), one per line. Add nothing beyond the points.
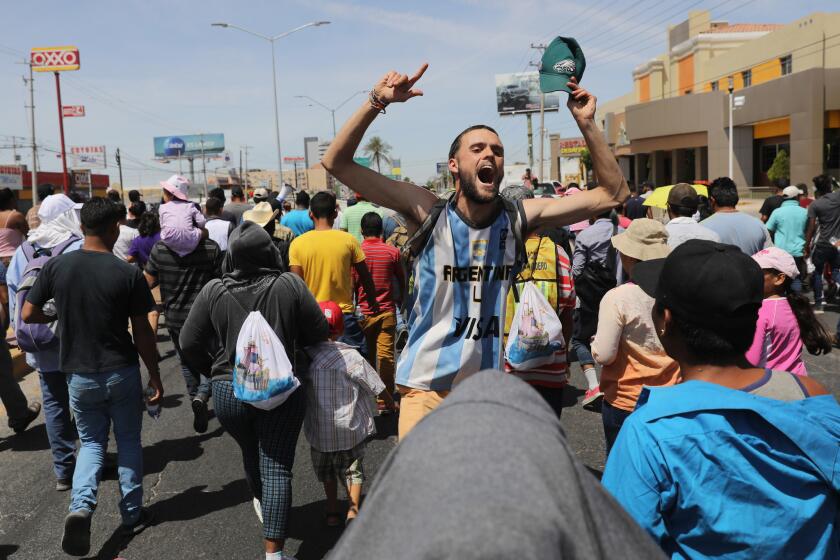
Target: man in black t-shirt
(771, 203)
(181, 279)
(95, 294)
(634, 207)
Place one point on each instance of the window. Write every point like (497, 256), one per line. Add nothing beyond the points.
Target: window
(747, 77)
(787, 64)
(715, 86)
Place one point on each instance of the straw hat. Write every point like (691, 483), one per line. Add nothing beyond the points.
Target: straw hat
(261, 214)
(644, 239)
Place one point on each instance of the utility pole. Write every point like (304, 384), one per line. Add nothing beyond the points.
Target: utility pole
(119, 166)
(530, 144)
(203, 164)
(31, 107)
(245, 177)
(731, 89)
(240, 167)
(541, 48)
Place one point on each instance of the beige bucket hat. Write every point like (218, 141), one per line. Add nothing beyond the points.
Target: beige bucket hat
(644, 239)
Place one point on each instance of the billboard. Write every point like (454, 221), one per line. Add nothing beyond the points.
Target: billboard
(520, 93)
(189, 145)
(88, 156)
(54, 59)
(72, 110)
(10, 177)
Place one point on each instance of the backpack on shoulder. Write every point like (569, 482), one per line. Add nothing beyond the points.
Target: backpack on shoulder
(263, 376)
(594, 281)
(37, 337)
(515, 213)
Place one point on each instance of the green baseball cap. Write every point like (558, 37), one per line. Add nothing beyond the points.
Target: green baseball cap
(561, 60)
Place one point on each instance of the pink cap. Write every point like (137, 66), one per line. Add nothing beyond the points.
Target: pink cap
(780, 260)
(176, 186)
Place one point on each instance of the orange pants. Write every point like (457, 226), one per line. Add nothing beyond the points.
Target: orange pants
(415, 405)
(379, 333)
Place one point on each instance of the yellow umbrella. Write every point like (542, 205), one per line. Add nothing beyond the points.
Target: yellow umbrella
(659, 197)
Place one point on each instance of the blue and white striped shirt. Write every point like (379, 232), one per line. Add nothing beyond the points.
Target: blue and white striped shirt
(457, 316)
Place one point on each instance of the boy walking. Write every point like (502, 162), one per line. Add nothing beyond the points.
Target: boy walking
(385, 266)
(338, 414)
(95, 295)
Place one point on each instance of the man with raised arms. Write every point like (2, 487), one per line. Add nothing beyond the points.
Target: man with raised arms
(464, 262)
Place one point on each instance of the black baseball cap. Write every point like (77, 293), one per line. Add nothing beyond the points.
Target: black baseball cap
(713, 285)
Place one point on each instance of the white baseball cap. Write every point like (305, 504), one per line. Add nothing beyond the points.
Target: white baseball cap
(791, 192)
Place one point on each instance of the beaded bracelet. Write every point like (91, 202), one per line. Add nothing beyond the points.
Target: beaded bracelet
(377, 103)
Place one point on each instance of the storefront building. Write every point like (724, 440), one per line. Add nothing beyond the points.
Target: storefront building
(785, 82)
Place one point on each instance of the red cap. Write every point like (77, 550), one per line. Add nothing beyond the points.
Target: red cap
(335, 318)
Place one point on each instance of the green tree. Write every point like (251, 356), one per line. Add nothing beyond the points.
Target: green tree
(378, 150)
(780, 170)
(586, 159)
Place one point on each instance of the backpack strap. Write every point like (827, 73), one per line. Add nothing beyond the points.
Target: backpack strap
(519, 225)
(420, 237)
(234, 298)
(611, 253)
(28, 250)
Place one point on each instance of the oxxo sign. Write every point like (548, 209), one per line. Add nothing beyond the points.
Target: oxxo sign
(54, 59)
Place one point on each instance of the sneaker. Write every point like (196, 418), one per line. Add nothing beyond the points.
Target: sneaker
(200, 418)
(76, 538)
(19, 425)
(146, 520)
(64, 484)
(258, 509)
(592, 396)
(402, 340)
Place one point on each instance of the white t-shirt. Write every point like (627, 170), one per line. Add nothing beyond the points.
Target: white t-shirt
(123, 244)
(219, 230)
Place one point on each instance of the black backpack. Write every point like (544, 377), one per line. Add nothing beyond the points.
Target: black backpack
(515, 213)
(594, 281)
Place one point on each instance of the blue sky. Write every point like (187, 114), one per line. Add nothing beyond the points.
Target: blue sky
(153, 68)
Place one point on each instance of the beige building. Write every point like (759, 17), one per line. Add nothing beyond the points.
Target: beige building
(785, 79)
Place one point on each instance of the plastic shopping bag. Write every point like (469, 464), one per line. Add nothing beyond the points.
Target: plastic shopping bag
(262, 373)
(536, 333)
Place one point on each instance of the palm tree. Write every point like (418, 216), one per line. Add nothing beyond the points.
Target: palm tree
(377, 149)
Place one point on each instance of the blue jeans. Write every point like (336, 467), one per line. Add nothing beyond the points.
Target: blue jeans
(197, 384)
(60, 429)
(824, 255)
(353, 334)
(582, 351)
(97, 400)
(613, 418)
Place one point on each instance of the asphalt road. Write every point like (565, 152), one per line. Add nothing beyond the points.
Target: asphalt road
(195, 486)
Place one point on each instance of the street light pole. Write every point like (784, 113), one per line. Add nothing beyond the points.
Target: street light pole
(731, 138)
(271, 40)
(276, 117)
(330, 109)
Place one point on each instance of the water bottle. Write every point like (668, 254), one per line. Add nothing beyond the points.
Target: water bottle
(152, 409)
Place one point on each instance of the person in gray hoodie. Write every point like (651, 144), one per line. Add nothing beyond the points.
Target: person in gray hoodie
(252, 281)
(489, 474)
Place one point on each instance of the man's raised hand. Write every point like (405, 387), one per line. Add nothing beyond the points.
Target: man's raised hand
(397, 88)
(581, 103)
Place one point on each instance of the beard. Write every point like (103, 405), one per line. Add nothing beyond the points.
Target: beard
(471, 192)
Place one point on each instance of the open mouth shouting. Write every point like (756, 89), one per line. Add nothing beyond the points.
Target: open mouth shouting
(487, 175)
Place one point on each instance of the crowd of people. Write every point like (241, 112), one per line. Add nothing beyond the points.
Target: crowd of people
(717, 441)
